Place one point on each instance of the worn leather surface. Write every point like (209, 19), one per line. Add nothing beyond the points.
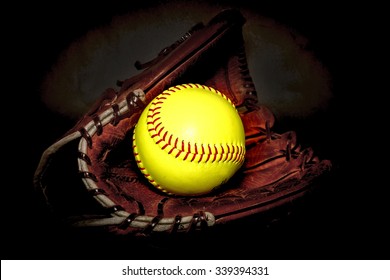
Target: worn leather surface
(276, 170)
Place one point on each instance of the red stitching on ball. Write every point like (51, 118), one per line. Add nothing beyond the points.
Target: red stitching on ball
(159, 132)
(193, 157)
(233, 153)
(177, 140)
(158, 102)
(200, 159)
(155, 128)
(152, 116)
(154, 109)
(152, 122)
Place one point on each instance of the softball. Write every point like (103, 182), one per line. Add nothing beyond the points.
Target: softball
(189, 140)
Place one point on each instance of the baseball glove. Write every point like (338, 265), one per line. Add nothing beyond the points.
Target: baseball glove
(89, 176)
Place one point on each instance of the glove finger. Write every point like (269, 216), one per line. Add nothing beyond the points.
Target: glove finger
(262, 154)
(257, 122)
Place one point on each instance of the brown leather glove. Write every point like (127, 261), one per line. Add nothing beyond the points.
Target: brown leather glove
(89, 176)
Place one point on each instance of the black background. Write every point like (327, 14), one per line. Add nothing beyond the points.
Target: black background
(346, 219)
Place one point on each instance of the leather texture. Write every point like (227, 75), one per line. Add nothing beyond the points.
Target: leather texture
(113, 194)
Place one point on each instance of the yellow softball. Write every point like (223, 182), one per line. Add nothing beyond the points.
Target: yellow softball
(189, 140)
